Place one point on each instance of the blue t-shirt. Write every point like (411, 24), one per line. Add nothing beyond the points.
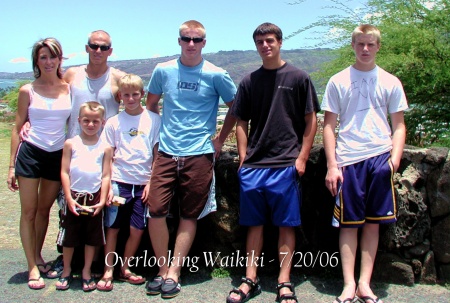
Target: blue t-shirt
(191, 100)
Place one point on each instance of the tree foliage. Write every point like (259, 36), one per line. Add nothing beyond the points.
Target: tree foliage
(13, 95)
(415, 47)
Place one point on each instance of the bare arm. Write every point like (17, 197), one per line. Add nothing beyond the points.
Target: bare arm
(308, 140)
(398, 138)
(152, 102)
(334, 175)
(21, 117)
(65, 176)
(116, 75)
(106, 180)
(147, 186)
(242, 139)
(69, 75)
(227, 126)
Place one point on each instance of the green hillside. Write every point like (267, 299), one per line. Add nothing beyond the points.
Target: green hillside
(237, 63)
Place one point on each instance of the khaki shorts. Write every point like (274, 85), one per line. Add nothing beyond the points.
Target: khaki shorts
(189, 176)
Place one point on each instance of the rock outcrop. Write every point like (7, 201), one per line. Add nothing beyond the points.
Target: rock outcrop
(414, 249)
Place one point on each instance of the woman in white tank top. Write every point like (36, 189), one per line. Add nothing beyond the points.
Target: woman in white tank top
(33, 168)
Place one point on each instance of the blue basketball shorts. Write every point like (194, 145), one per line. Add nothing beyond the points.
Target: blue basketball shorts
(367, 193)
(269, 194)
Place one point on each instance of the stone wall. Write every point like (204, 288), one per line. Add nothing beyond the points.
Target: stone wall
(416, 249)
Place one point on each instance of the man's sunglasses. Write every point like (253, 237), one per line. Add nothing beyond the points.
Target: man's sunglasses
(189, 39)
(103, 48)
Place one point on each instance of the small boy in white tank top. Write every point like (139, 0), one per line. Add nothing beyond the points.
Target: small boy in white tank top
(85, 177)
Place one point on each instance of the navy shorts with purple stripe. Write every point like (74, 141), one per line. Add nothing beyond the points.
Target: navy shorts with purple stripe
(367, 193)
(269, 194)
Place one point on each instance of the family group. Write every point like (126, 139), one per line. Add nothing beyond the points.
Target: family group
(109, 167)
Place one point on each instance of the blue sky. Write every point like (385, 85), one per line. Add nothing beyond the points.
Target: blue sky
(146, 29)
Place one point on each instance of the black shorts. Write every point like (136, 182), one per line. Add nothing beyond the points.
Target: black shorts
(33, 162)
(82, 229)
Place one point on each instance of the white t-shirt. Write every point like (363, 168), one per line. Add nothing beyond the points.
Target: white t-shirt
(133, 138)
(363, 101)
(86, 165)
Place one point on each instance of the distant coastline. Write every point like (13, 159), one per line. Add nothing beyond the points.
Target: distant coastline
(4, 83)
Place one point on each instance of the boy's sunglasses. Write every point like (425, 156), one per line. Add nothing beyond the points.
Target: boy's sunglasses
(103, 48)
(189, 39)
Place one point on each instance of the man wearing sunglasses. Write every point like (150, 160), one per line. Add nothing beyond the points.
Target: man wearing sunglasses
(95, 81)
(192, 87)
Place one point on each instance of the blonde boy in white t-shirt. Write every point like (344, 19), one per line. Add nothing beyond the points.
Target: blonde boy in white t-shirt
(85, 176)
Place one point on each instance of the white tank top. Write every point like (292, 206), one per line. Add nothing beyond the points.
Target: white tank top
(84, 89)
(48, 118)
(86, 166)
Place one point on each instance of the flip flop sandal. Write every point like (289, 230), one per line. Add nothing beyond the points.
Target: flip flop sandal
(57, 268)
(366, 299)
(44, 266)
(255, 289)
(127, 278)
(280, 298)
(170, 288)
(62, 280)
(106, 287)
(347, 300)
(87, 283)
(153, 287)
(36, 287)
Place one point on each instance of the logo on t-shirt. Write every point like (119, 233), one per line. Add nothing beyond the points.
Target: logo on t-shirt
(188, 85)
(133, 132)
(285, 87)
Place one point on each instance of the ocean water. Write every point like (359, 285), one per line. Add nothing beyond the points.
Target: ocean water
(4, 83)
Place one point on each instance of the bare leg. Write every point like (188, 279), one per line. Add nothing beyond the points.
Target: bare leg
(369, 246)
(159, 236)
(348, 242)
(29, 205)
(89, 252)
(48, 190)
(130, 249)
(67, 259)
(185, 237)
(110, 248)
(254, 247)
(286, 246)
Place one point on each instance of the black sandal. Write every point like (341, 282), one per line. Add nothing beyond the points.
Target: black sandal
(56, 269)
(286, 297)
(255, 289)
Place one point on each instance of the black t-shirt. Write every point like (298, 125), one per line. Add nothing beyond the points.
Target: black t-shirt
(275, 103)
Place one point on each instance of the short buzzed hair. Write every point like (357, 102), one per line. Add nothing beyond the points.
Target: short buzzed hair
(99, 31)
(194, 24)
